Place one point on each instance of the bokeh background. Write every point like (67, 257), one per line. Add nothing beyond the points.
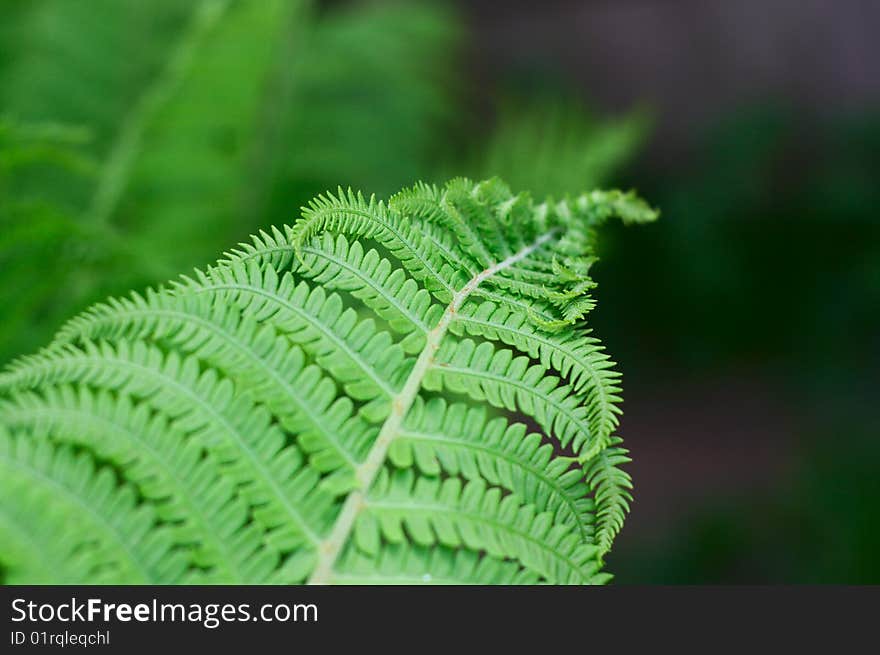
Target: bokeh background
(139, 139)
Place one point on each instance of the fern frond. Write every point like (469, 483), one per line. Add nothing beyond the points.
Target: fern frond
(375, 281)
(341, 400)
(430, 511)
(252, 356)
(188, 488)
(439, 207)
(578, 357)
(241, 435)
(495, 375)
(366, 360)
(463, 442)
(612, 489)
(349, 213)
(91, 511)
(406, 564)
(346, 266)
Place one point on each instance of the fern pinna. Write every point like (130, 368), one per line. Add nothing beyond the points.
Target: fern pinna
(339, 401)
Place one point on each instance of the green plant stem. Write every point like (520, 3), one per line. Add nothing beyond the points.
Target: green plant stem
(330, 548)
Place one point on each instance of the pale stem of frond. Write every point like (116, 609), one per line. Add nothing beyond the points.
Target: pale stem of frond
(329, 549)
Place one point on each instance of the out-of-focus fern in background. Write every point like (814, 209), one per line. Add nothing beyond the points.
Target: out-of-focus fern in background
(554, 144)
(151, 135)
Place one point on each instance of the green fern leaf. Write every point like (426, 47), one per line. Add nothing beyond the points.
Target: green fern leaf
(383, 392)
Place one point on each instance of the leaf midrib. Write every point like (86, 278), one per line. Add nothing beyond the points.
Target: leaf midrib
(330, 548)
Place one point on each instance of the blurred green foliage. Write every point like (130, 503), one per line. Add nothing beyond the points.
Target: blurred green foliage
(207, 120)
(554, 146)
(193, 145)
(45, 252)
